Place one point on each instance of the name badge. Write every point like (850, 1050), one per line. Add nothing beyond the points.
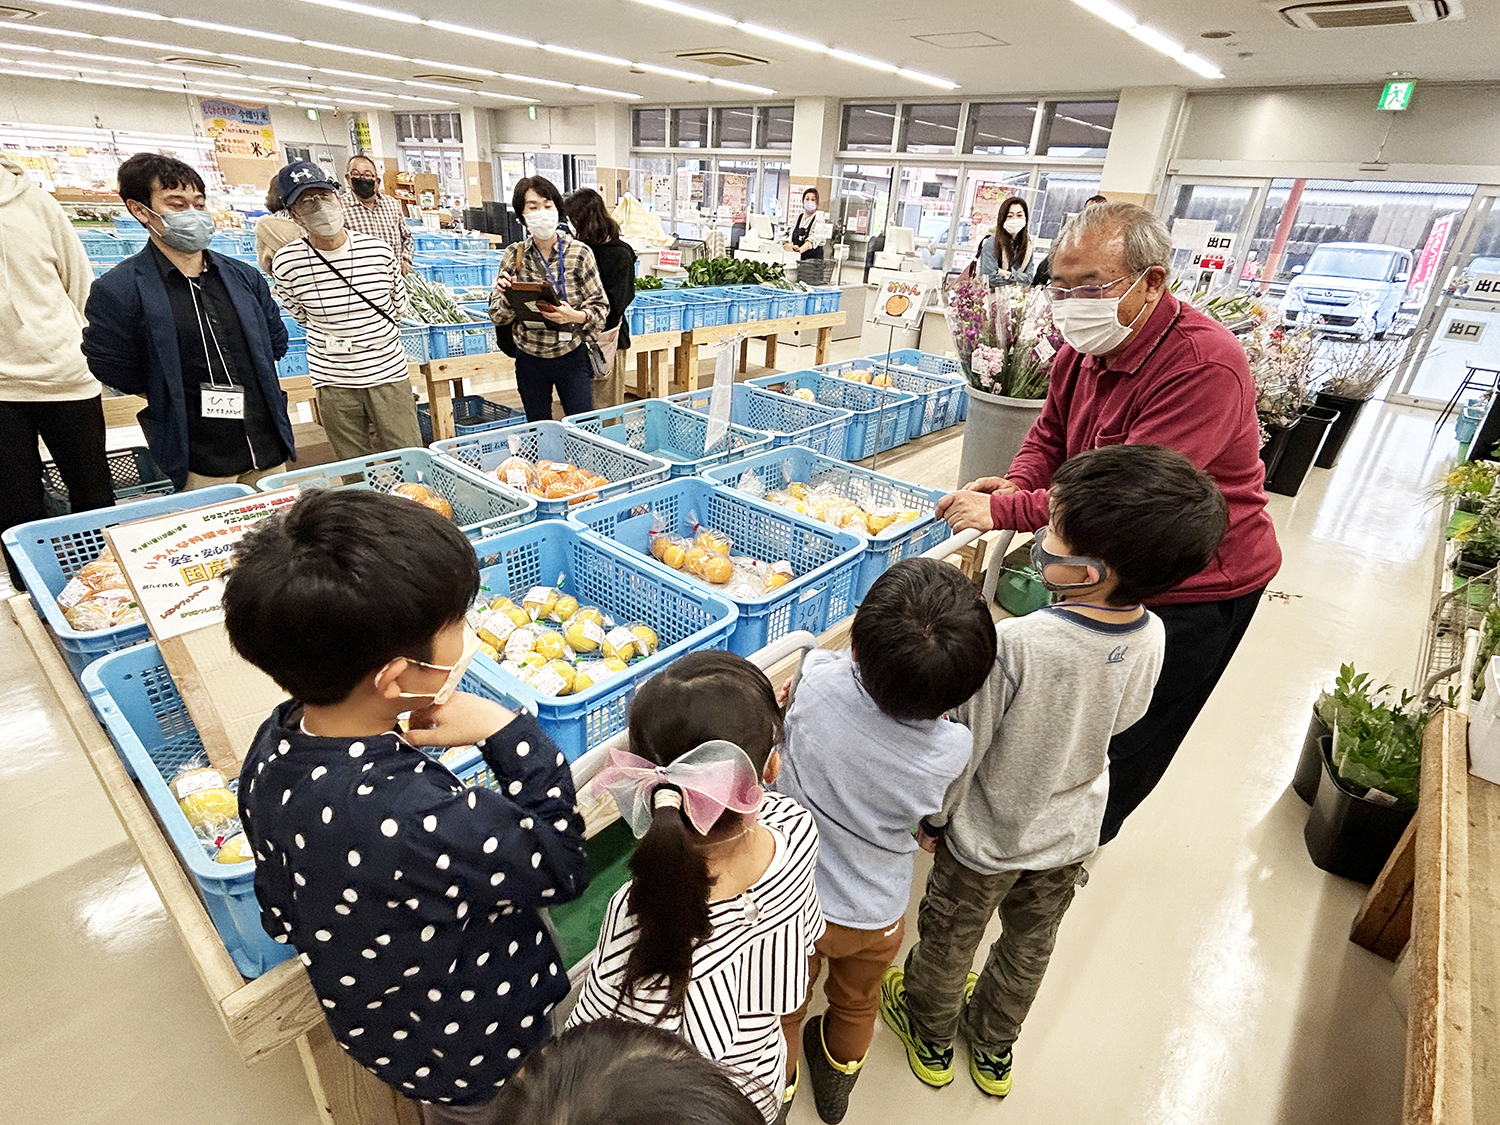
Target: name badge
(339, 345)
(223, 402)
(564, 333)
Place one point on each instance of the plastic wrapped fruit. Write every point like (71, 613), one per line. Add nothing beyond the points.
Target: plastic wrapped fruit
(425, 497)
(797, 490)
(670, 550)
(496, 629)
(236, 849)
(517, 473)
(778, 575)
(693, 560)
(619, 643)
(583, 634)
(715, 541)
(204, 798)
(103, 574)
(566, 607)
(550, 645)
(518, 647)
(646, 641)
(717, 569)
(804, 395)
(540, 601)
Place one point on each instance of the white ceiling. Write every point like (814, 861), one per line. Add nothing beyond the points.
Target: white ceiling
(1051, 46)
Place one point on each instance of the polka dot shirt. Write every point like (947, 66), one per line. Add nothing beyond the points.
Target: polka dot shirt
(411, 898)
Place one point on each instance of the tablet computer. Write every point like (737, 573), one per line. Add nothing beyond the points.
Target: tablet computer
(525, 297)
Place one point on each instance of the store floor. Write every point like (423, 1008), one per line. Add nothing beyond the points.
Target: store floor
(1204, 975)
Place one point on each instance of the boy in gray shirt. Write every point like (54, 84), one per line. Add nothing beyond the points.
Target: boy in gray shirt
(869, 752)
(1128, 522)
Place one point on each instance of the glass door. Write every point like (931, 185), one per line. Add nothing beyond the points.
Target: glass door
(925, 204)
(1203, 262)
(775, 189)
(862, 200)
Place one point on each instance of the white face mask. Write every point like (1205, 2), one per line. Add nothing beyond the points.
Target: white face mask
(542, 223)
(455, 671)
(324, 218)
(1091, 325)
(1015, 225)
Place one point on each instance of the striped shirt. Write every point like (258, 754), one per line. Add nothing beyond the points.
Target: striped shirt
(349, 343)
(383, 221)
(751, 971)
(582, 289)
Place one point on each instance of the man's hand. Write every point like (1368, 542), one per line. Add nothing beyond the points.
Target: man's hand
(465, 720)
(992, 484)
(562, 314)
(966, 511)
(925, 842)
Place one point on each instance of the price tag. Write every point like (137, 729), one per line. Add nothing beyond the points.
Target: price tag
(223, 402)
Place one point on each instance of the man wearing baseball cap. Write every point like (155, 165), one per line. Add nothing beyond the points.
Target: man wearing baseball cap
(345, 288)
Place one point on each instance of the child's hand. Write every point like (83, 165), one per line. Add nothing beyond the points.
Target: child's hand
(465, 720)
(784, 695)
(925, 842)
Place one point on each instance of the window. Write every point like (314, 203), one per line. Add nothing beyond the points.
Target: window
(690, 128)
(431, 128)
(732, 127)
(1062, 194)
(929, 128)
(868, 128)
(1000, 128)
(649, 128)
(775, 127)
(1079, 128)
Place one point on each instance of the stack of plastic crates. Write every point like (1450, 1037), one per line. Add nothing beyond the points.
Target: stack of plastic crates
(789, 421)
(826, 562)
(749, 303)
(649, 314)
(775, 471)
(142, 710)
(685, 616)
(133, 473)
(294, 363)
(49, 552)
(941, 399)
(481, 505)
(443, 341)
(702, 308)
(926, 363)
(623, 467)
(671, 432)
(472, 414)
(882, 416)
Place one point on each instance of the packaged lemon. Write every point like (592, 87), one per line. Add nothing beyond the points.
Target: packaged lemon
(566, 607)
(715, 541)
(584, 634)
(236, 849)
(646, 641)
(797, 490)
(519, 645)
(203, 796)
(778, 574)
(496, 629)
(670, 549)
(694, 558)
(717, 569)
(619, 643)
(540, 601)
(550, 644)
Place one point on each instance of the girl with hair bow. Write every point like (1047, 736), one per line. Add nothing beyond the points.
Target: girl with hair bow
(711, 937)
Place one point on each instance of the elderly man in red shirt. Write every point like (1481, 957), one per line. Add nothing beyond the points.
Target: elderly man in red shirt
(1138, 366)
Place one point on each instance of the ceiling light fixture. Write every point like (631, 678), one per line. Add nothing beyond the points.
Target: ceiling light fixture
(1118, 17)
(108, 9)
(367, 10)
(608, 93)
(730, 84)
(344, 48)
(481, 33)
(691, 13)
(207, 25)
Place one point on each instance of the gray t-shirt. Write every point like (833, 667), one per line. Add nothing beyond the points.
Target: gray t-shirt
(867, 779)
(1063, 684)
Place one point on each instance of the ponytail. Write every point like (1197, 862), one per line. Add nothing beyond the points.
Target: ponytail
(669, 898)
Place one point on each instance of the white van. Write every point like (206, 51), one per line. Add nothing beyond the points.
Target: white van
(1348, 288)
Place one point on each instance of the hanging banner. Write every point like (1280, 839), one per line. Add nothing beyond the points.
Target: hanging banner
(986, 208)
(239, 130)
(1432, 251)
(735, 191)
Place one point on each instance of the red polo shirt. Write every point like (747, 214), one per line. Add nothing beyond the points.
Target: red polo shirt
(1183, 383)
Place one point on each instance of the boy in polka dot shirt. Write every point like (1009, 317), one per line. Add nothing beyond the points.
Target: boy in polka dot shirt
(411, 898)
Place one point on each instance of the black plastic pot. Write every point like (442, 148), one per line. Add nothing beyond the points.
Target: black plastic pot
(1303, 440)
(1471, 564)
(1346, 834)
(1271, 452)
(1338, 433)
(1310, 764)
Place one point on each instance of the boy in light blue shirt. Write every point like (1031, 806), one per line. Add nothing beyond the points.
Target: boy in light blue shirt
(869, 753)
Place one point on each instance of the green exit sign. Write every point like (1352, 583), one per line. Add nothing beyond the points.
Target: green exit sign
(1397, 95)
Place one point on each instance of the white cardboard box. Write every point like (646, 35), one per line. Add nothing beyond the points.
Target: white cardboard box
(1484, 727)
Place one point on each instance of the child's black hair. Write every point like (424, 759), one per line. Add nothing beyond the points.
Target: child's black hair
(923, 640)
(1144, 511)
(614, 1072)
(341, 584)
(702, 697)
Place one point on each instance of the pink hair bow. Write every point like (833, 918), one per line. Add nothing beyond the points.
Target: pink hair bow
(713, 776)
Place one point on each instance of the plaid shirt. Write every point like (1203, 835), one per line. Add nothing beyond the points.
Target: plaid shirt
(583, 290)
(383, 221)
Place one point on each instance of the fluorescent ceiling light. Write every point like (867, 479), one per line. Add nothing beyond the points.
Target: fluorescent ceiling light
(1110, 13)
(145, 44)
(40, 50)
(107, 9)
(460, 69)
(431, 85)
(590, 56)
(690, 12)
(367, 10)
(1200, 66)
(56, 31)
(96, 58)
(479, 33)
(347, 50)
(503, 97)
(1156, 40)
(668, 72)
(206, 25)
(538, 81)
(861, 60)
(927, 79)
(1113, 14)
(781, 37)
(745, 86)
(625, 94)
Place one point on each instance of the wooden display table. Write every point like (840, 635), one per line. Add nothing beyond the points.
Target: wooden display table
(685, 376)
(648, 352)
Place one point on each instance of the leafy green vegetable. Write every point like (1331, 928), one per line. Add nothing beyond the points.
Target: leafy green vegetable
(736, 271)
(1378, 744)
(432, 303)
(648, 282)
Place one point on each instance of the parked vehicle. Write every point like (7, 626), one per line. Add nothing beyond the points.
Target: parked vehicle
(1348, 289)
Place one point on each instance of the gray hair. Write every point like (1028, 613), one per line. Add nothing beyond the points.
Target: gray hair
(1146, 240)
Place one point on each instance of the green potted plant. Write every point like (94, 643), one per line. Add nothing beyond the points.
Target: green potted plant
(1355, 372)
(1005, 341)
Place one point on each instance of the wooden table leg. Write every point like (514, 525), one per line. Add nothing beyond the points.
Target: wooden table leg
(439, 404)
(744, 355)
(653, 381)
(642, 379)
(344, 1092)
(825, 337)
(771, 350)
(687, 359)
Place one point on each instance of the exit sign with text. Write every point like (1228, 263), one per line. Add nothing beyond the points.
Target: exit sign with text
(1397, 95)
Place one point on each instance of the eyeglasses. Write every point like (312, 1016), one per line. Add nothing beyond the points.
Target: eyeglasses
(1085, 292)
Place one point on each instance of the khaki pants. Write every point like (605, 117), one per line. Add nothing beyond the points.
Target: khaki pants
(955, 909)
(360, 421)
(252, 478)
(857, 960)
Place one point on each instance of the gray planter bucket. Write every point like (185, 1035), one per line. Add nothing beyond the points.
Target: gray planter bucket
(993, 433)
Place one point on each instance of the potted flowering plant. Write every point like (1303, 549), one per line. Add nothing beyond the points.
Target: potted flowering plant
(1005, 341)
(1292, 426)
(1355, 373)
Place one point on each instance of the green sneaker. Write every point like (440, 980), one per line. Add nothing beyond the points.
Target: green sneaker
(991, 1073)
(971, 982)
(931, 1064)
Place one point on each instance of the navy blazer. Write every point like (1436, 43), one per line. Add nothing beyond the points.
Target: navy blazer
(130, 343)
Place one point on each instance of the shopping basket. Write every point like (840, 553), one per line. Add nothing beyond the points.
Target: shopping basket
(788, 420)
(881, 419)
(671, 432)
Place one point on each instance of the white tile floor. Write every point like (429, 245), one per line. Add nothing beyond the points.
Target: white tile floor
(1204, 976)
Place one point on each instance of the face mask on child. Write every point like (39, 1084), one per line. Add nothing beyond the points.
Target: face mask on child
(455, 671)
(1041, 559)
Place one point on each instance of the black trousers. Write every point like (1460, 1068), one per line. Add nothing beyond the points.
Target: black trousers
(74, 433)
(1201, 639)
(571, 374)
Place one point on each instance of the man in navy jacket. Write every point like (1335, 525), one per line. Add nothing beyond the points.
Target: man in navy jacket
(196, 333)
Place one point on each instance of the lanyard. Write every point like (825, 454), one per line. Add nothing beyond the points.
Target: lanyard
(561, 278)
(201, 318)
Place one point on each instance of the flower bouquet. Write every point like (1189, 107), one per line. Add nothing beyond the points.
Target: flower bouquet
(1281, 363)
(1004, 337)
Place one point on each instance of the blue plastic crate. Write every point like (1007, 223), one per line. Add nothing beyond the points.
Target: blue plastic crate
(99, 269)
(452, 272)
(672, 433)
(623, 467)
(785, 304)
(824, 299)
(49, 552)
(882, 416)
(827, 563)
(447, 340)
(134, 695)
(789, 421)
(700, 311)
(472, 414)
(481, 505)
(432, 241)
(294, 363)
(416, 342)
(928, 363)
(127, 224)
(939, 397)
(473, 242)
(133, 473)
(650, 314)
(487, 266)
(686, 616)
(776, 470)
(749, 303)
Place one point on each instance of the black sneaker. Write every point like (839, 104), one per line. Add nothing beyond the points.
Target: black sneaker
(832, 1081)
(788, 1094)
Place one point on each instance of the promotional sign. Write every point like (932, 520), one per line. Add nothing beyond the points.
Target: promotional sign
(1432, 251)
(986, 206)
(670, 258)
(238, 130)
(734, 191)
(1191, 234)
(900, 303)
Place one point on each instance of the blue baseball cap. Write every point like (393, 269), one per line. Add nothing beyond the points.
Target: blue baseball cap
(298, 176)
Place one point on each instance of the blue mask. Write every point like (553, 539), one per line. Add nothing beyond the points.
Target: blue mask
(1041, 559)
(189, 231)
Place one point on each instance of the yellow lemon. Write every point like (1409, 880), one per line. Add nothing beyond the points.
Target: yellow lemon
(646, 639)
(566, 607)
(210, 806)
(236, 849)
(551, 645)
(798, 490)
